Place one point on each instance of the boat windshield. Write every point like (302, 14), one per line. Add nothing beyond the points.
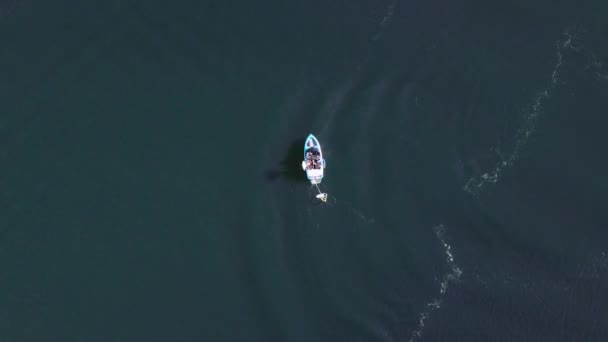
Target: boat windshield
(313, 154)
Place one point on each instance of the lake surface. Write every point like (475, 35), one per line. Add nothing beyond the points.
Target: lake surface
(151, 189)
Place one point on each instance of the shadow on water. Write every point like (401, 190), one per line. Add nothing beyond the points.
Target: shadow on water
(290, 167)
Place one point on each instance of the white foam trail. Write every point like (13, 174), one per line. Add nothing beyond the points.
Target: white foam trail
(476, 184)
(453, 275)
(594, 63)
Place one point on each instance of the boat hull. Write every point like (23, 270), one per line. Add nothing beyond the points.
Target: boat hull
(314, 163)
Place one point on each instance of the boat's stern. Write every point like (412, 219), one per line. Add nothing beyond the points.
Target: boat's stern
(315, 176)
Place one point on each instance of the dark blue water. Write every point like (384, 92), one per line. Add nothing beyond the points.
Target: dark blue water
(151, 190)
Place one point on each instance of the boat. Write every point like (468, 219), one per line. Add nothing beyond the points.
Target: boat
(313, 162)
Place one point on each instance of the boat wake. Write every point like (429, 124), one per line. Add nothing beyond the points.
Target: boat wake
(358, 213)
(377, 36)
(390, 11)
(597, 268)
(453, 274)
(337, 99)
(332, 201)
(334, 103)
(569, 43)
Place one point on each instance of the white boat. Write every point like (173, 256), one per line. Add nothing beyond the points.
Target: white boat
(313, 162)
